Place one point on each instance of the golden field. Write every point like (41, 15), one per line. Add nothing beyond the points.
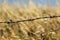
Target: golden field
(42, 29)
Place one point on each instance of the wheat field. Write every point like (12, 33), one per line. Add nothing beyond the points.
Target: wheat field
(42, 29)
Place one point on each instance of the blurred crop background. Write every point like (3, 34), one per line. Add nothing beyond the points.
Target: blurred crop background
(42, 29)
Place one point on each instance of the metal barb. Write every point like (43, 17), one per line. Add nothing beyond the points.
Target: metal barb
(9, 22)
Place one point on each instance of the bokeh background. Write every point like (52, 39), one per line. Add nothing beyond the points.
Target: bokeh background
(43, 2)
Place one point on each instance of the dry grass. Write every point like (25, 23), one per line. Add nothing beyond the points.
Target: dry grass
(32, 30)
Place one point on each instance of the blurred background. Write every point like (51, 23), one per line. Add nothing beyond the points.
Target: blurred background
(43, 2)
(22, 2)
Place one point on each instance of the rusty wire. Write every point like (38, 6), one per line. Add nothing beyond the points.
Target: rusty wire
(10, 22)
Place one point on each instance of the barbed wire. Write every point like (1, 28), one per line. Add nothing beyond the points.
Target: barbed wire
(9, 22)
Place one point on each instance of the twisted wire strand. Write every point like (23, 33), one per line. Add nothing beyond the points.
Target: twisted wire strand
(32, 20)
(9, 22)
